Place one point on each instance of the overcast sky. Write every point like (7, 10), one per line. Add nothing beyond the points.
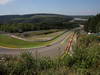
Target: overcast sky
(67, 7)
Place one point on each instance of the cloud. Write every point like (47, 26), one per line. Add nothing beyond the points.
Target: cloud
(2, 2)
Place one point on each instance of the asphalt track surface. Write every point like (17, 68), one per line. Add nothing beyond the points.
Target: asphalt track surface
(53, 50)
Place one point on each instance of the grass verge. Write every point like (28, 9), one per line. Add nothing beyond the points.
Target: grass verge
(10, 42)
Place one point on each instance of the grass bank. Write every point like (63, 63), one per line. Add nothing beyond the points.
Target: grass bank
(10, 42)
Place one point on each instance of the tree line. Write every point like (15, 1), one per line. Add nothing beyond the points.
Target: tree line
(93, 24)
(22, 27)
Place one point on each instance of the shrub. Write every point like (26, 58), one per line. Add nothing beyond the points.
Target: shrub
(46, 63)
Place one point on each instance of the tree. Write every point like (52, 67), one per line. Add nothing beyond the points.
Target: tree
(93, 24)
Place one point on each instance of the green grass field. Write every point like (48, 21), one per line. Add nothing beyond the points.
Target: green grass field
(44, 37)
(10, 42)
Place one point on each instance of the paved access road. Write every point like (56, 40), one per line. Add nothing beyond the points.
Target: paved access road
(53, 50)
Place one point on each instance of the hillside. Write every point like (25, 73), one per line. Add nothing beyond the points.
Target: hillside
(33, 18)
(31, 22)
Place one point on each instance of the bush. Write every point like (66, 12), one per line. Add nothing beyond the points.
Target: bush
(26, 65)
(85, 57)
(46, 63)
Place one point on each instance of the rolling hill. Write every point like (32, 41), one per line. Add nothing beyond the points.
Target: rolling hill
(33, 18)
(31, 22)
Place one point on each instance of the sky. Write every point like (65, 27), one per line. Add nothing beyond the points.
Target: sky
(66, 7)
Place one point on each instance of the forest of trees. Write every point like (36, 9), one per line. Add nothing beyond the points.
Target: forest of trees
(22, 27)
(93, 24)
(17, 23)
